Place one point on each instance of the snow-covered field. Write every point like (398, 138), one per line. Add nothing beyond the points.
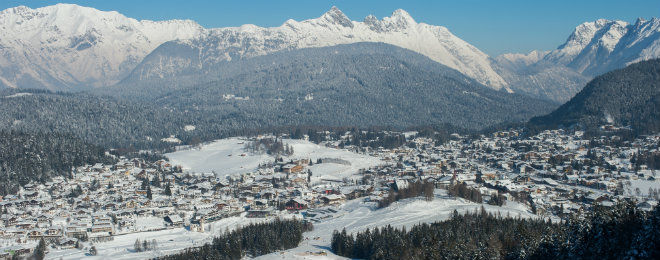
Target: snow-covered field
(227, 157)
(355, 215)
(643, 186)
(169, 241)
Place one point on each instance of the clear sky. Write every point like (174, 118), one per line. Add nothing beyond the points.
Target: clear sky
(495, 27)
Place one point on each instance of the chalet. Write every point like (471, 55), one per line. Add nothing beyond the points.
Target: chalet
(53, 232)
(222, 206)
(260, 204)
(102, 228)
(333, 199)
(174, 220)
(292, 168)
(26, 225)
(295, 204)
(35, 234)
(44, 219)
(67, 243)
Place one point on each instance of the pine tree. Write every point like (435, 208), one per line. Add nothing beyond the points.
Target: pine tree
(40, 250)
(149, 195)
(156, 181)
(137, 246)
(168, 190)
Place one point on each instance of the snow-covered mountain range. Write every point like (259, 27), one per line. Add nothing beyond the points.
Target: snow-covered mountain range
(597, 47)
(332, 28)
(69, 47)
(592, 49)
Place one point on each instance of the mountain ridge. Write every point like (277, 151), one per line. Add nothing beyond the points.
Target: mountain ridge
(70, 47)
(627, 97)
(592, 49)
(330, 29)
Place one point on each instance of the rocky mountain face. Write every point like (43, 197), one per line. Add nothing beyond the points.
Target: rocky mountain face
(592, 49)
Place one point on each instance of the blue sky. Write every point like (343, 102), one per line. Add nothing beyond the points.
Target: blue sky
(495, 27)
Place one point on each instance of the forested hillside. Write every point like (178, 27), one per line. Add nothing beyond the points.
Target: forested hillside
(620, 232)
(625, 97)
(39, 157)
(359, 85)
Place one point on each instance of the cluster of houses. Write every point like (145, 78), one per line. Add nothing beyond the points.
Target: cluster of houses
(559, 173)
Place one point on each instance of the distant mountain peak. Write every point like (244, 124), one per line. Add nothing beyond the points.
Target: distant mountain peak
(603, 45)
(336, 16)
(402, 17)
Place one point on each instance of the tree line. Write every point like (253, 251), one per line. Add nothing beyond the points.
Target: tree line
(413, 189)
(27, 157)
(252, 240)
(620, 232)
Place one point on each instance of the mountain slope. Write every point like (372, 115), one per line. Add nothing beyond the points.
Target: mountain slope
(625, 97)
(332, 28)
(361, 84)
(69, 47)
(365, 84)
(601, 46)
(41, 157)
(592, 49)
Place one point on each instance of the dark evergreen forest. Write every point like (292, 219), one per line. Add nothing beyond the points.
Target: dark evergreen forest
(620, 232)
(252, 240)
(625, 97)
(39, 157)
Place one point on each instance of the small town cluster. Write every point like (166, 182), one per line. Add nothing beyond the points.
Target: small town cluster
(554, 173)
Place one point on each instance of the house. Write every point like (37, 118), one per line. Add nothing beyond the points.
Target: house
(174, 220)
(295, 204)
(102, 228)
(260, 204)
(67, 243)
(35, 234)
(333, 199)
(292, 168)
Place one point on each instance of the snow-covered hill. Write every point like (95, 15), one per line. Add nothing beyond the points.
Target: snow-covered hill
(67, 47)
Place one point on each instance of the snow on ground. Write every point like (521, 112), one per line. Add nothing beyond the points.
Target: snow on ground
(228, 157)
(169, 241)
(149, 223)
(19, 95)
(224, 156)
(643, 186)
(330, 171)
(357, 216)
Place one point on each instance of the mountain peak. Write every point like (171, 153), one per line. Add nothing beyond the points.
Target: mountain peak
(336, 16)
(400, 19)
(402, 14)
